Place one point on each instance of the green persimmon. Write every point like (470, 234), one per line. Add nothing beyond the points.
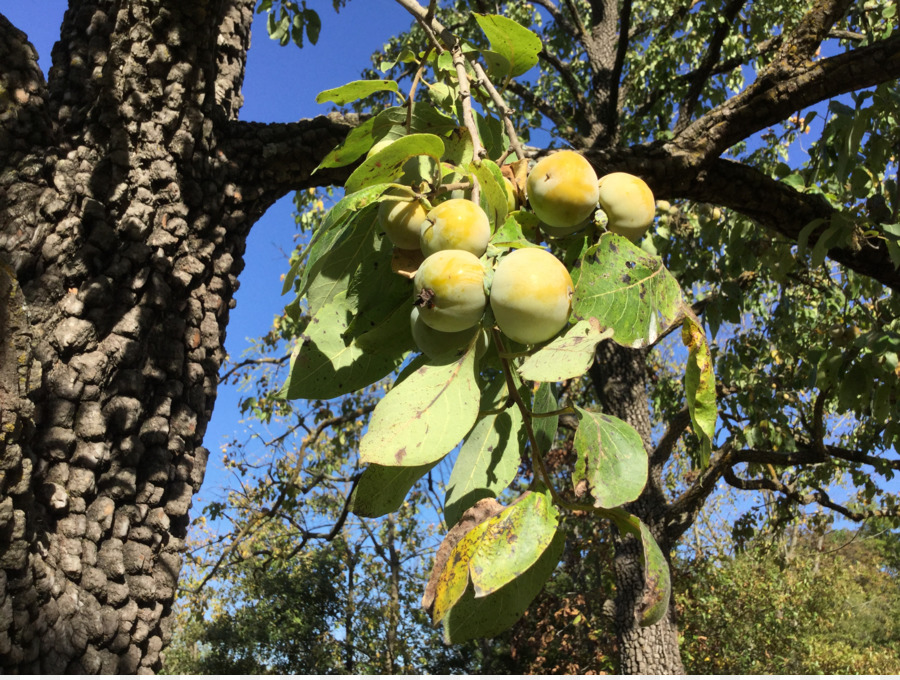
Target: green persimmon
(531, 295)
(449, 290)
(562, 191)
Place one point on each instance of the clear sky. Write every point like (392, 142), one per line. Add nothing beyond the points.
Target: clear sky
(280, 86)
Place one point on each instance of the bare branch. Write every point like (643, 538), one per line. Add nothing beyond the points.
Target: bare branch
(815, 496)
(702, 74)
(252, 362)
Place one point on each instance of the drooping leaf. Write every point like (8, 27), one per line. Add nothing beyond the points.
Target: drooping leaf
(355, 90)
(484, 617)
(489, 457)
(453, 579)
(382, 489)
(328, 233)
(512, 542)
(421, 419)
(516, 44)
(569, 356)
(657, 578)
(545, 427)
(700, 386)
(330, 273)
(324, 365)
(387, 164)
(612, 463)
(626, 289)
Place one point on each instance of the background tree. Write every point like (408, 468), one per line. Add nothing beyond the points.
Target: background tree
(129, 187)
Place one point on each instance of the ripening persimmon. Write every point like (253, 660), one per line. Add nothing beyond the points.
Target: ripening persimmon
(562, 191)
(628, 203)
(449, 290)
(402, 221)
(435, 344)
(531, 295)
(456, 224)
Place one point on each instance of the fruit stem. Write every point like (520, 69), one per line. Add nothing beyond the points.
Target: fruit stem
(538, 457)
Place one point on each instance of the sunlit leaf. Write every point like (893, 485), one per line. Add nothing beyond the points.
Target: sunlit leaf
(423, 417)
(611, 466)
(357, 89)
(700, 386)
(627, 290)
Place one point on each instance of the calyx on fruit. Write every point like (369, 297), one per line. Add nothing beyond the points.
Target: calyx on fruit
(402, 222)
(455, 224)
(562, 191)
(531, 295)
(449, 290)
(435, 344)
(628, 203)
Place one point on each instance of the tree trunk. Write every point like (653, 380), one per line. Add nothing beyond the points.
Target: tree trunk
(393, 623)
(127, 189)
(619, 377)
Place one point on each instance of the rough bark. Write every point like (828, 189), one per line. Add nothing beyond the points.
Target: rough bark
(122, 228)
(619, 378)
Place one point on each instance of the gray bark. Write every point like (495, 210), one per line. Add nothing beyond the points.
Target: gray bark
(126, 194)
(619, 378)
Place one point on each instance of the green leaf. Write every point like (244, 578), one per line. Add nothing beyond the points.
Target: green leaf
(516, 44)
(489, 458)
(657, 578)
(612, 462)
(700, 386)
(313, 25)
(512, 542)
(324, 365)
(387, 165)
(421, 419)
(626, 289)
(484, 617)
(382, 489)
(389, 124)
(493, 192)
(355, 144)
(569, 356)
(331, 271)
(357, 89)
(328, 234)
(545, 427)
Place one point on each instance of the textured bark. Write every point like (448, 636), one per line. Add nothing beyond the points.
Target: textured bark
(123, 221)
(619, 377)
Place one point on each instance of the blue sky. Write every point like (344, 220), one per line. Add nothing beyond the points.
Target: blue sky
(280, 86)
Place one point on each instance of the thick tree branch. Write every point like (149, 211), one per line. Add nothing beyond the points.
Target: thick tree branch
(267, 160)
(784, 211)
(769, 99)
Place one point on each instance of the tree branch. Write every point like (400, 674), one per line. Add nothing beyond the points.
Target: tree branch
(701, 75)
(268, 160)
(785, 211)
(776, 94)
(815, 496)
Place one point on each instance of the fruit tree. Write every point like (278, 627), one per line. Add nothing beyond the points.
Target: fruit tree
(129, 186)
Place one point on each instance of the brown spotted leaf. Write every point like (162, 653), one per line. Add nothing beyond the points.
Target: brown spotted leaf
(423, 417)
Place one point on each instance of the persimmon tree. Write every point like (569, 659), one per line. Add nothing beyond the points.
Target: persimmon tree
(129, 186)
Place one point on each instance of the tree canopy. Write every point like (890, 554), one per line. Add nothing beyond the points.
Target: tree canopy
(750, 338)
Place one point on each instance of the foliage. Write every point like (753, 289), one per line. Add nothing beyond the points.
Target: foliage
(788, 335)
(830, 607)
